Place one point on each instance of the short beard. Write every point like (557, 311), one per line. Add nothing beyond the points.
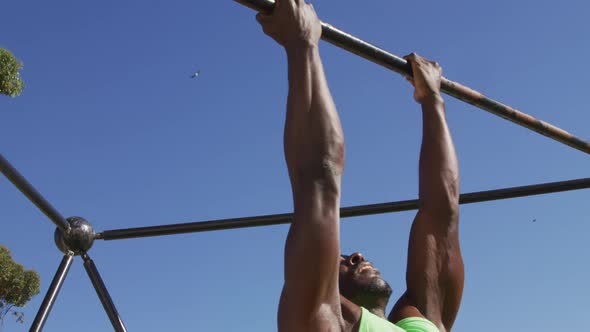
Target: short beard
(377, 288)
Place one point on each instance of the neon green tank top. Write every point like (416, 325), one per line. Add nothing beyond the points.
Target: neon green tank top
(373, 323)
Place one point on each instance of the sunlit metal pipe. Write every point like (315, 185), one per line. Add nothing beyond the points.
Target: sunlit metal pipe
(33, 195)
(393, 62)
(52, 292)
(103, 294)
(353, 211)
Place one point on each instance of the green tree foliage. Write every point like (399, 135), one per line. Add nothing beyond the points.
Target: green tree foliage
(10, 82)
(17, 286)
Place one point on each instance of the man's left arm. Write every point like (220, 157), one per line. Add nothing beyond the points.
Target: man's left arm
(435, 272)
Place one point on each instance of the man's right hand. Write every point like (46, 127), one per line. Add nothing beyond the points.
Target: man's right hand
(292, 24)
(426, 80)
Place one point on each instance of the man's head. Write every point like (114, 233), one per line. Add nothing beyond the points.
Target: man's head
(361, 282)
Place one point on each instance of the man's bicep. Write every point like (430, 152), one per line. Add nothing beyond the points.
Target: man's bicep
(311, 258)
(424, 269)
(434, 275)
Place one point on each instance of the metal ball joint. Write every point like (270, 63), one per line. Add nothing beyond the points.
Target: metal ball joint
(78, 240)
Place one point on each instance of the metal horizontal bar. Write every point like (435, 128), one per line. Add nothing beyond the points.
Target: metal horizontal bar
(33, 195)
(353, 211)
(393, 62)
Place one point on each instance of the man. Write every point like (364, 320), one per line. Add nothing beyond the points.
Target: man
(325, 291)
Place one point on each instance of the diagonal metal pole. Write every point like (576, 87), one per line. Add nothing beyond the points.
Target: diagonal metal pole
(52, 292)
(351, 211)
(33, 195)
(398, 64)
(103, 294)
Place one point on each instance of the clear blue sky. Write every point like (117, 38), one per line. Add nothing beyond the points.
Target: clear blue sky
(112, 128)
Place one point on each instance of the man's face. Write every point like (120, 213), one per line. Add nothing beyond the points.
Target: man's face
(359, 279)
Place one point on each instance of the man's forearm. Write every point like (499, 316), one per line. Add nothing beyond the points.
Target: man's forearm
(439, 171)
(313, 134)
(298, 103)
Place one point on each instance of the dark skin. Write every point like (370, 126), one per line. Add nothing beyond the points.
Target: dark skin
(323, 289)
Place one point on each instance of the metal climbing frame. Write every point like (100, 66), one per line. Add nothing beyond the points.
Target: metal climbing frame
(74, 236)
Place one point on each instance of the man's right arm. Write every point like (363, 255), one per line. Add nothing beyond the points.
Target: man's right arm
(314, 151)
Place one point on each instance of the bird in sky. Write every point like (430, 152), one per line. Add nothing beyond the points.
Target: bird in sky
(196, 74)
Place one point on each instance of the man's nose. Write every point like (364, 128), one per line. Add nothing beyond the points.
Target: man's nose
(355, 259)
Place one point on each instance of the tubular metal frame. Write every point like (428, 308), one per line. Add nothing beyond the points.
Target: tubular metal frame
(63, 226)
